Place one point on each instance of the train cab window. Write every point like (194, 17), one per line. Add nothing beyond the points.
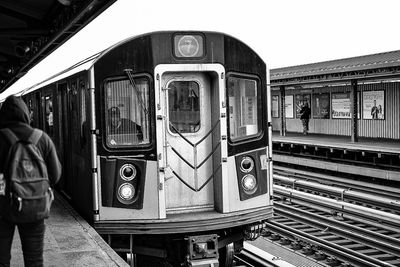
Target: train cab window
(184, 106)
(48, 102)
(127, 112)
(244, 105)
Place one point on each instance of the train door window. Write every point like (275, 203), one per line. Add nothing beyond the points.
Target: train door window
(127, 112)
(244, 107)
(184, 106)
(48, 107)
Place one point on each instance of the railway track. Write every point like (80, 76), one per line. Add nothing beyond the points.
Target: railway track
(336, 224)
(360, 184)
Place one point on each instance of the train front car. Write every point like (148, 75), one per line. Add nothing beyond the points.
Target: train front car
(182, 162)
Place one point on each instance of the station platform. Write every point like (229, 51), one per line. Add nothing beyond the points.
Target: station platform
(285, 253)
(376, 158)
(69, 241)
(340, 142)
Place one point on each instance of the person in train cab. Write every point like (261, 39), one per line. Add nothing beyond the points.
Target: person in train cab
(120, 125)
(14, 122)
(374, 111)
(305, 113)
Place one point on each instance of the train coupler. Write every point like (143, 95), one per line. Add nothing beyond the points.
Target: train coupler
(202, 251)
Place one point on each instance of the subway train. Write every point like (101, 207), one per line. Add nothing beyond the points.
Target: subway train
(165, 142)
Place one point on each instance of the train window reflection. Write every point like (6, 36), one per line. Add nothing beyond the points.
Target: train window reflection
(244, 117)
(184, 106)
(49, 115)
(127, 118)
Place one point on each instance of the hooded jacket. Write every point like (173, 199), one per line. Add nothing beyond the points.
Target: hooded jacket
(14, 114)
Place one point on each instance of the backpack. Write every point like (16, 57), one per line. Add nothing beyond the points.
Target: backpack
(28, 188)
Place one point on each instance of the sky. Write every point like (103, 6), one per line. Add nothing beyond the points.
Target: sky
(283, 32)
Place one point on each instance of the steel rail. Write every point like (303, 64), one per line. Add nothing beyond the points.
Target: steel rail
(373, 222)
(338, 205)
(338, 251)
(386, 191)
(379, 246)
(344, 193)
(359, 234)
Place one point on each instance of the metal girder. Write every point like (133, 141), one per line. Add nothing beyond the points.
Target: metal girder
(35, 29)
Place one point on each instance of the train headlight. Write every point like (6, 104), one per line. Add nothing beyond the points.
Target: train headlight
(249, 184)
(127, 172)
(247, 164)
(126, 191)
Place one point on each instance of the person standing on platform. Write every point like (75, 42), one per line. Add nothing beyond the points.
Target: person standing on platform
(374, 111)
(305, 113)
(17, 135)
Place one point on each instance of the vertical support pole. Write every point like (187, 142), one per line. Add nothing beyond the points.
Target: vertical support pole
(132, 256)
(354, 111)
(283, 112)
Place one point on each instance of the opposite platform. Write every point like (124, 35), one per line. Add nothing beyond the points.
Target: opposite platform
(340, 142)
(69, 241)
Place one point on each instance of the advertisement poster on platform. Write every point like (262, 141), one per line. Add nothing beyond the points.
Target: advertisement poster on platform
(275, 106)
(289, 106)
(341, 106)
(373, 105)
(321, 106)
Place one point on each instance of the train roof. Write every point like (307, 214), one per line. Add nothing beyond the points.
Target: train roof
(342, 67)
(87, 63)
(76, 68)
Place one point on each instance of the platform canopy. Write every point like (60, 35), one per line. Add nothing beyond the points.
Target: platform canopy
(31, 29)
(368, 67)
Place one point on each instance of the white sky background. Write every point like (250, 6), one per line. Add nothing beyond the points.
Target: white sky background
(283, 32)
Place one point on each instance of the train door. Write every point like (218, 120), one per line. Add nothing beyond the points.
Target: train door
(64, 137)
(190, 132)
(188, 110)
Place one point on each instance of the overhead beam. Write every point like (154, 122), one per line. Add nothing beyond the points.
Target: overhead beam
(24, 32)
(46, 44)
(21, 11)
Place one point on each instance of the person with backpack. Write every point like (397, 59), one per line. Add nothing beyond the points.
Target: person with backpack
(29, 168)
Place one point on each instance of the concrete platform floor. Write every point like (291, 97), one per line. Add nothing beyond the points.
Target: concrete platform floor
(69, 241)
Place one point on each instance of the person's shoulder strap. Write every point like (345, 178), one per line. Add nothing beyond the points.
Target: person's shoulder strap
(35, 136)
(10, 135)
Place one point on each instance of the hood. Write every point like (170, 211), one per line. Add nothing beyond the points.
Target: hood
(12, 111)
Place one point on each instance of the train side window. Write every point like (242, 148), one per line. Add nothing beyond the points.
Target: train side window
(244, 108)
(48, 104)
(127, 112)
(184, 106)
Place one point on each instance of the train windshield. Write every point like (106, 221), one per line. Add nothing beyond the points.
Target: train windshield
(244, 108)
(127, 112)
